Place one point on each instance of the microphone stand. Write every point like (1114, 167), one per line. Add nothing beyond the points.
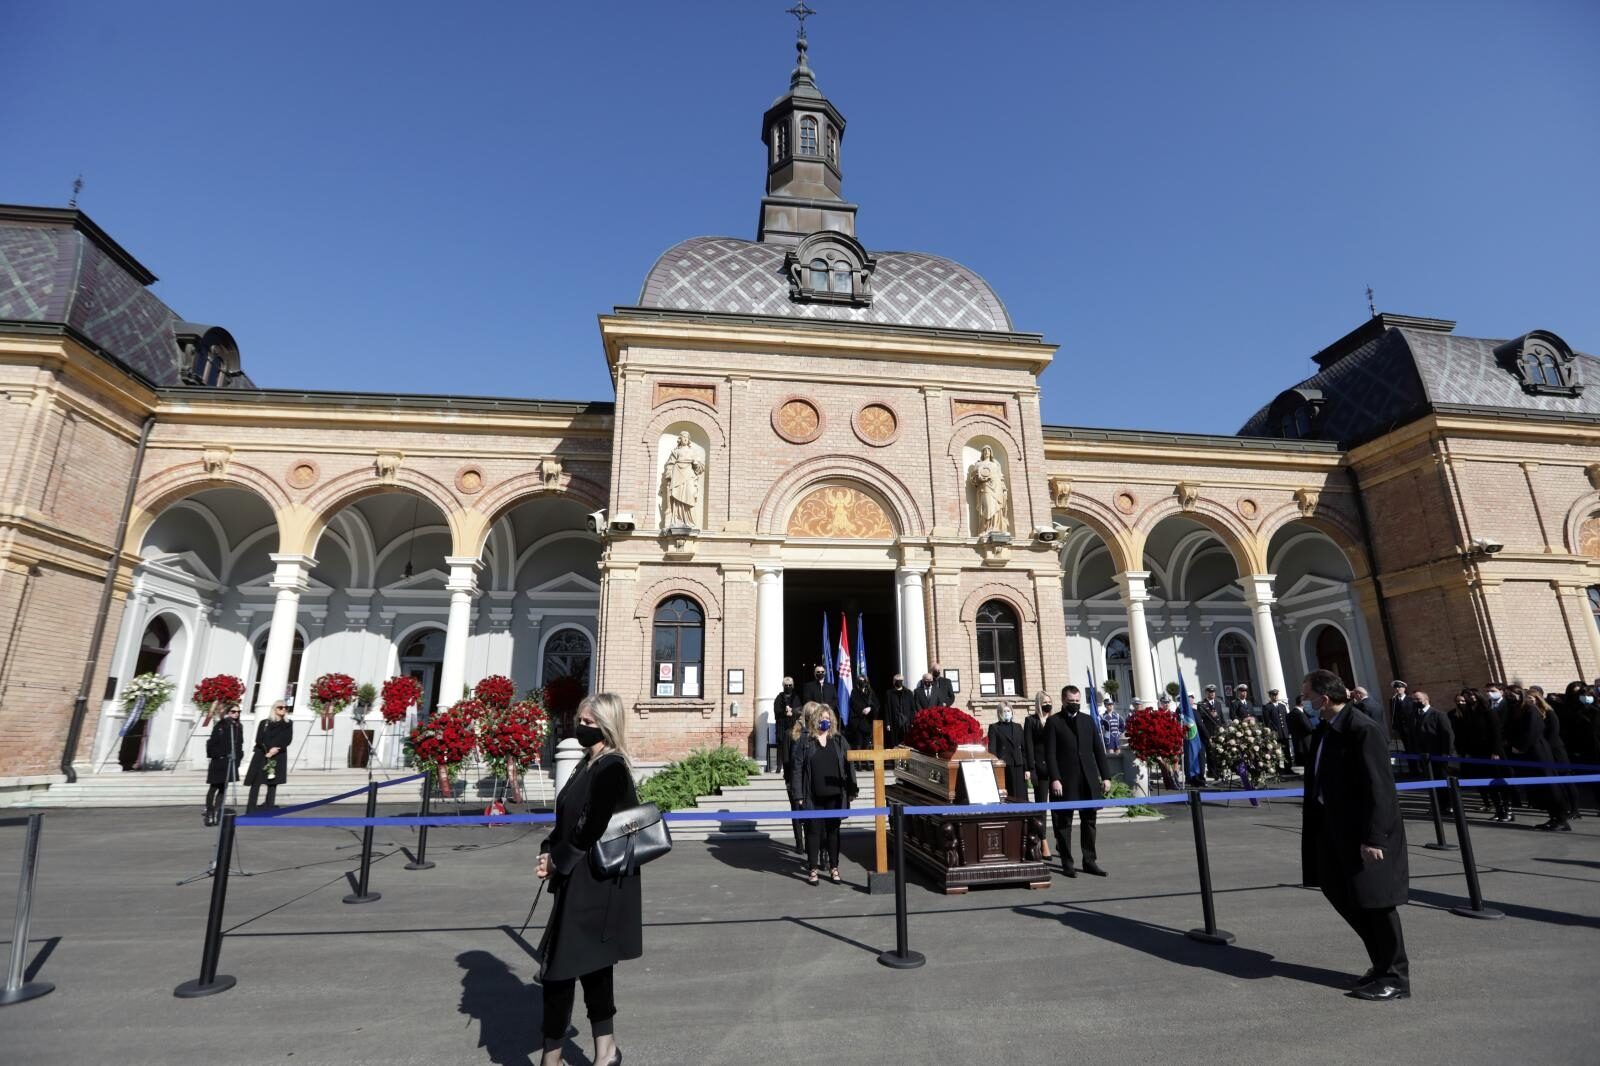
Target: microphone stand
(233, 779)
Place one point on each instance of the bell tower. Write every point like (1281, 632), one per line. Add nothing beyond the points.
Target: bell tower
(804, 135)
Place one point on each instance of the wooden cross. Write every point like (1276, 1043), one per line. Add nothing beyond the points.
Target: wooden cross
(877, 755)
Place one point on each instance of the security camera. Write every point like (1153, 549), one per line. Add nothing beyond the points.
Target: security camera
(1047, 534)
(597, 522)
(1488, 546)
(624, 522)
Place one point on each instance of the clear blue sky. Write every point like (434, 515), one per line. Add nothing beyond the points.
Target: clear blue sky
(1188, 198)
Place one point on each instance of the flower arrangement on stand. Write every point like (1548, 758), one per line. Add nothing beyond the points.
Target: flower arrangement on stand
(147, 694)
(1245, 747)
(441, 744)
(1155, 737)
(939, 731)
(215, 696)
(330, 694)
(495, 692)
(400, 694)
(511, 739)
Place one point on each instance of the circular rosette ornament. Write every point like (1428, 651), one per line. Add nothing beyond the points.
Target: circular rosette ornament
(495, 692)
(399, 695)
(939, 731)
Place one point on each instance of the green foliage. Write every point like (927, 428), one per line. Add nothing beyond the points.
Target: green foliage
(681, 784)
(1120, 790)
(1111, 685)
(367, 693)
(1173, 688)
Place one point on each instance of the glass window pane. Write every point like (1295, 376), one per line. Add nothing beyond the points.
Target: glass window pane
(666, 644)
(841, 279)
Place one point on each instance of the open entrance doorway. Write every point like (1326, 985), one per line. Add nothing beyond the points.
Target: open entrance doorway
(863, 597)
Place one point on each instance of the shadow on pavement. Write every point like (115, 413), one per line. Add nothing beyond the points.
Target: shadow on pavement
(1171, 945)
(508, 1012)
(1514, 910)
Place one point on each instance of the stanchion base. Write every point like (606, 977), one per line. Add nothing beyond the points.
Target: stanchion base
(878, 884)
(1440, 847)
(1221, 936)
(896, 961)
(194, 989)
(31, 990)
(368, 898)
(1468, 912)
(418, 866)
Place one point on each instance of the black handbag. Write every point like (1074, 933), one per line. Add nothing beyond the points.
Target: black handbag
(632, 838)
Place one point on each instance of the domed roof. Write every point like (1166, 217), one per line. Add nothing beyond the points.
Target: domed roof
(732, 276)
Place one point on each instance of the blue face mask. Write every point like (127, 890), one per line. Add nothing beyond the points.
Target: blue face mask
(1310, 710)
(1585, 699)
(822, 727)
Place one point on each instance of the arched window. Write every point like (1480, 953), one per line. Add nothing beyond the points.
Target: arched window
(1332, 653)
(819, 275)
(1540, 369)
(808, 136)
(566, 654)
(679, 648)
(154, 646)
(1233, 661)
(833, 144)
(294, 664)
(1594, 603)
(999, 651)
(780, 141)
(1296, 423)
(841, 277)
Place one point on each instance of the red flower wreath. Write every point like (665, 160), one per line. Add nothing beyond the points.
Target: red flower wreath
(400, 694)
(441, 743)
(471, 710)
(495, 691)
(332, 693)
(938, 731)
(217, 694)
(1154, 735)
(512, 738)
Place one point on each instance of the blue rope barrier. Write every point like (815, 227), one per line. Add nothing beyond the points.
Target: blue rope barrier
(281, 811)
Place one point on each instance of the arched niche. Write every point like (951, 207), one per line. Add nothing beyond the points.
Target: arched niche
(971, 454)
(699, 445)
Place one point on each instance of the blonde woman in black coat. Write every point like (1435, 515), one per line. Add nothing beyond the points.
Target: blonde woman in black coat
(824, 780)
(273, 734)
(594, 923)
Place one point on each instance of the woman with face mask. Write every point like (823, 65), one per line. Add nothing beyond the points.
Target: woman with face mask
(1578, 733)
(594, 923)
(824, 781)
(270, 764)
(1005, 744)
(1527, 740)
(1033, 755)
(1478, 736)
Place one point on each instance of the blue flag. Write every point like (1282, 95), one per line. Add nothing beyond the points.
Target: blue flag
(827, 652)
(846, 680)
(861, 647)
(1094, 701)
(1193, 748)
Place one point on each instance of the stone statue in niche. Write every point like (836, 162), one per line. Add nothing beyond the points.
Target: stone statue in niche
(680, 484)
(989, 490)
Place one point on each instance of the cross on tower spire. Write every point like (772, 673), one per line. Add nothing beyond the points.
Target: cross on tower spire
(801, 12)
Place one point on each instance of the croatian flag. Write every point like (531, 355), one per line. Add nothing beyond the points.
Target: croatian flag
(827, 652)
(843, 667)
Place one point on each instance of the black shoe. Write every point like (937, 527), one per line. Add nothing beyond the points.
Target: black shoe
(1546, 827)
(1068, 870)
(1563, 827)
(1365, 979)
(1382, 992)
(1093, 868)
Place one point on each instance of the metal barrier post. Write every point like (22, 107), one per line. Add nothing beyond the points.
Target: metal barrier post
(15, 991)
(902, 957)
(1439, 842)
(210, 982)
(361, 895)
(1476, 909)
(421, 862)
(1210, 934)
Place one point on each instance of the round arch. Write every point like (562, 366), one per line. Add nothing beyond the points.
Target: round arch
(499, 501)
(995, 590)
(1106, 523)
(1252, 659)
(1335, 527)
(1582, 509)
(544, 642)
(1234, 534)
(877, 481)
(1307, 652)
(318, 509)
(163, 490)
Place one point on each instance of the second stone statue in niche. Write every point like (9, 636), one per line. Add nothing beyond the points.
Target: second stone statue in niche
(989, 492)
(680, 484)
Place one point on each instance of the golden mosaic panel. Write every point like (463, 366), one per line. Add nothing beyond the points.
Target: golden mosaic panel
(840, 512)
(1589, 537)
(667, 391)
(960, 409)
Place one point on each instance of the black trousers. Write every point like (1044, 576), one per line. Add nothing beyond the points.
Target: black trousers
(1061, 821)
(1379, 930)
(822, 834)
(255, 794)
(214, 799)
(788, 789)
(599, 1003)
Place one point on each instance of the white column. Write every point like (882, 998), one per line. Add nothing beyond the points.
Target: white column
(463, 588)
(1258, 594)
(123, 660)
(1135, 593)
(913, 626)
(769, 649)
(290, 579)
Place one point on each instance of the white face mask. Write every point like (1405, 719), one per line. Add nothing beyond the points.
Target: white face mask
(1005, 716)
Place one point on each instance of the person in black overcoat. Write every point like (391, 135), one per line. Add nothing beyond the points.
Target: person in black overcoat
(1275, 716)
(1527, 738)
(1209, 718)
(1353, 840)
(786, 719)
(1005, 744)
(864, 711)
(824, 780)
(817, 690)
(273, 734)
(1033, 753)
(1481, 737)
(224, 749)
(1301, 728)
(1554, 737)
(594, 923)
(1431, 735)
(898, 710)
(1075, 756)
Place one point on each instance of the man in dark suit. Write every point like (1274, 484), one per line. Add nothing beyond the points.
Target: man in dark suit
(1402, 711)
(1353, 842)
(1369, 707)
(897, 711)
(785, 713)
(1430, 735)
(1075, 755)
(1275, 716)
(1209, 718)
(934, 690)
(1240, 707)
(818, 691)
